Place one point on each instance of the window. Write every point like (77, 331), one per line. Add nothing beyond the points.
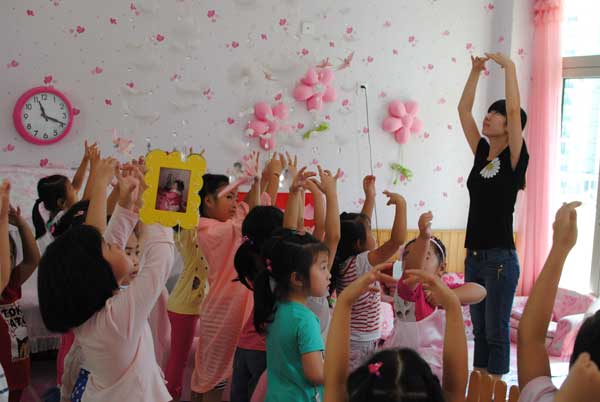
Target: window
(579, 150)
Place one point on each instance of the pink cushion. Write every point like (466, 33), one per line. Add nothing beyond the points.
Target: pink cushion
(564, 338)
(569, 302)
(518, 306)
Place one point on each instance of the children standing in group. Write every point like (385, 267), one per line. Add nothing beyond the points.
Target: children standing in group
(419, 323)
(395, 375)
(14, 345)
(356, 254)
(183, 307)
(250, 359)
(583, 382)
(79, 278)
(296, 267)
(228, 305)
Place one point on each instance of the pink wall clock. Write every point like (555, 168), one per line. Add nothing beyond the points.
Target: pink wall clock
(43, 116)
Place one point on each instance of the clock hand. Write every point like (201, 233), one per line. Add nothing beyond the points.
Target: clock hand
(54, 120)
(43, 111)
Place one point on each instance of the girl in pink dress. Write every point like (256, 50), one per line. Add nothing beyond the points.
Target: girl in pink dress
(79, 278)
(419, 323)
(228, 304)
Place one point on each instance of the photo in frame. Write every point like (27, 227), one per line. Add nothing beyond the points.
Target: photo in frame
(174, 182)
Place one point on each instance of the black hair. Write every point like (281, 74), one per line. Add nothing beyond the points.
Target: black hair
(74, 279)
(258, 226)
(50, 190)
(13, 251)
(211, 183)
(500, 107)
(440, 254)
(588, 339)
(284, 253)
(74, 216)
(402, 376)
(180, 185)
(353, 232)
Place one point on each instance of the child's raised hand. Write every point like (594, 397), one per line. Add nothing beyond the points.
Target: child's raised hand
(105, 170)
(478, 63)
(565, 225)
(300, 180)
(14, 216)
(276, 165)
(366, 283)
(369, 186)
(292, 164)
(394, 198)
(438, 291)
(425, 225)
(88, 149)
(583, 376)
(128, 188)
(4, 199)
(328, 182)
(311, 186)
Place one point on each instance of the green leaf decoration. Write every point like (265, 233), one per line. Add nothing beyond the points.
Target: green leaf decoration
(319, 129)
(402, 171)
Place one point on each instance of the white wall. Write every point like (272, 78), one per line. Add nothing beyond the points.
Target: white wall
(164, 113)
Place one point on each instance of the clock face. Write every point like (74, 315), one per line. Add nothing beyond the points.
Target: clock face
(45, 116)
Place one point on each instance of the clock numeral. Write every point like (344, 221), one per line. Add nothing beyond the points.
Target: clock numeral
(29, 126)
(64, 115)
(36, 99)
(45, 136)
(62, 106)
(28, 106)
(44, 96)
(54, 98)
(55, 132)
(35, 133)
(25, 116)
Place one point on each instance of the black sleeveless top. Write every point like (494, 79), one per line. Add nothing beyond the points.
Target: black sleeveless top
(493, 188)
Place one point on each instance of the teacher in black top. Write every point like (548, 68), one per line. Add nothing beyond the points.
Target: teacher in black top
(497, 175)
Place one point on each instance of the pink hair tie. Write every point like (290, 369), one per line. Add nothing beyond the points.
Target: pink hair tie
(268, 264)
(374, 368)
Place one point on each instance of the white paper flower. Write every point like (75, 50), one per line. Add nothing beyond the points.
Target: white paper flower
(491, 169)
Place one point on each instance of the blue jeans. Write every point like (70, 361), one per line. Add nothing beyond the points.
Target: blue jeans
(498, 271)
(248, 366)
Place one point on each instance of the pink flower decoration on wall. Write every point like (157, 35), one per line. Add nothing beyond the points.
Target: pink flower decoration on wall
(316, 88)
(402, 120)
(267, 122)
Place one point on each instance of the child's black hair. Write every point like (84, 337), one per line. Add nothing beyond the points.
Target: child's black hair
(286, 252)
(74, 216)
(50, 190)
(180, 185)
(500, 107)
(259, 225)
(74, 279)
(401, 376)
(13, 252)
(211, 183)
(353, 231)
(588, 339)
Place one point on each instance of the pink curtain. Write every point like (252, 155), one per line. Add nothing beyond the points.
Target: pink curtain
(534, 220)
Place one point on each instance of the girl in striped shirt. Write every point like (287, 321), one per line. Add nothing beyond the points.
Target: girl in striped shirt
(357, 254)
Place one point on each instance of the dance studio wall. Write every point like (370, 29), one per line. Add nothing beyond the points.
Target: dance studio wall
(175, 73)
